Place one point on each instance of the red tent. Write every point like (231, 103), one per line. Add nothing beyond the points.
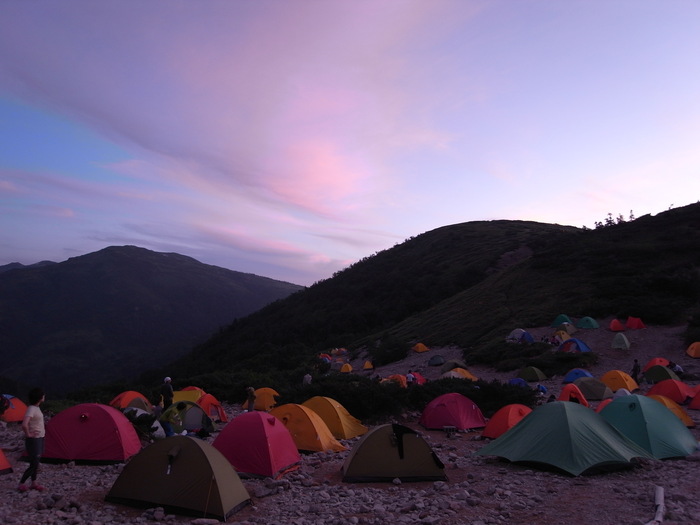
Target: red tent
(634, 323)
(505, 419)
(452, 410)
(5, 467)
(213, 408)
(573, 393)
(616, 325)
(258, 444)
(90, 432)
(603, 404)
(131, 398)
(673, 389)
(662, 361)
(420, 380)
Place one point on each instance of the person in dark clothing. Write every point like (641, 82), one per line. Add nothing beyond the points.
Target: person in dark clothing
(166, 391)
(634, 373)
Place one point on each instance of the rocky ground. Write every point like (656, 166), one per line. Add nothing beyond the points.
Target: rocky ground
(478, 491)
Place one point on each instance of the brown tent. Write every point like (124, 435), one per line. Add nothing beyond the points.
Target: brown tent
(183, 475)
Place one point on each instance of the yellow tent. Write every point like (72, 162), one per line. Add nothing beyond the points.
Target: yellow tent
(346, 368)
(339, 421)
(307, 428)
(187, 395)
(265, 399)
(368, 366)
(460, 373)
(420, 347)
(676, 409)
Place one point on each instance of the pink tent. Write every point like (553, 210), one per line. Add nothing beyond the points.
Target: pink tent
(452, 410)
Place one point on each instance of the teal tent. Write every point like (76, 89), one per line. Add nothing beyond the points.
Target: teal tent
(567, 436)
(587, 322)
(651, 425)
(559, 319)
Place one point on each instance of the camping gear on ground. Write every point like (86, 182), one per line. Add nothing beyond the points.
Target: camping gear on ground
(390, 452)
(90, 433)
(145, 423)
(452, 410)
(309, 431)
(651, 425)
(504, 419)
(258, 444)
(567, 436)
(338, 420)
(183, 475)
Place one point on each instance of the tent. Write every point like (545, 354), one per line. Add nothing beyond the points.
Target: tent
(695, 402)
(520, 336)
(452, 363)
(5, 466)
(436, 360)
(572, 393)
(566, 436)
(587, 322)
(616, 325)
(634, 323)
(518, 381)
(620, 342)
(694, 349)
(568, 328)
(574, 374)
(617, 379)
(573, 345)
(183, 475)
(420, 348)
(675, 408)
(560, 336)
(265, 399)
(651, 426)
(661, 361)
(194, 418)
(659, 373)
(131, 398)
(15, 412)
(368, 366)
(309, 431)
(460, 373)
(504, 419)
(454, 410)
(389, 452)
(257, 444)
(559, 319)
(396, 378)
(603, 404)
(622, 392)
(593, 389)
(90, 433)
(673, 389)
(338, 420)
(213, 408)
(346, 368)
(187, 394)
(419, 379)
(145, 422)
(532, 373)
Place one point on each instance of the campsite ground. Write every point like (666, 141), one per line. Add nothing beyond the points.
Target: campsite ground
(479, 490)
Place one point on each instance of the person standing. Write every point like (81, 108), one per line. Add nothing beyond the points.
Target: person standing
(174, 417)
(307, 379)
(34, 432)
(250, 391)
(166, 391)
(634, 373)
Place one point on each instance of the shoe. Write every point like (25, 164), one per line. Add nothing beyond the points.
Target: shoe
(36, 486)
(23, 488)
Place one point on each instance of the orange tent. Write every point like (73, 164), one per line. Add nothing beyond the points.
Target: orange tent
(265, 399)
(617, 379)
(572, 393)
(616, 325)
(675, 408)
(420, 347)
(634, 323)
(5, 467)
(398, 378)
(346, 368)
(505, 419)
(307, 428)
(131, 398)
(460, 373)
(603, 404)
(662, 361)
(673, 389)
(15, 412)
(212, 407)
(694, 349)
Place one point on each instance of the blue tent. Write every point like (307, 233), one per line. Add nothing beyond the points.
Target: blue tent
(573, 345)
(575, 373)
(518, 381)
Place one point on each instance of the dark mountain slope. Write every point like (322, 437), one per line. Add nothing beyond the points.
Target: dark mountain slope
(113, 313)
(469, 284)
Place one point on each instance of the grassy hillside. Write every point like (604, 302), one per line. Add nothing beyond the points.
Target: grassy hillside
(466, 284)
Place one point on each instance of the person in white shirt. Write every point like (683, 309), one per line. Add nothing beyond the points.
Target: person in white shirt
(34, 432)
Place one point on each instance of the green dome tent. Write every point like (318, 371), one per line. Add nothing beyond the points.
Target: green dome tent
(658, 373)
(567, 436)
(532, 373)
(593, 389)
(559, 319)
(587, 322)
(651, 425)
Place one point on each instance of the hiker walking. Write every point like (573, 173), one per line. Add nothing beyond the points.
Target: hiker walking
(410, 378)
(34, 432)
(166, 391)
(634, 373)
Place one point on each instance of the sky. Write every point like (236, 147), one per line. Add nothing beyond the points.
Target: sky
(292, 138)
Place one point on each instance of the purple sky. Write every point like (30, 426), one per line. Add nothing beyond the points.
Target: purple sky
(292, 138)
